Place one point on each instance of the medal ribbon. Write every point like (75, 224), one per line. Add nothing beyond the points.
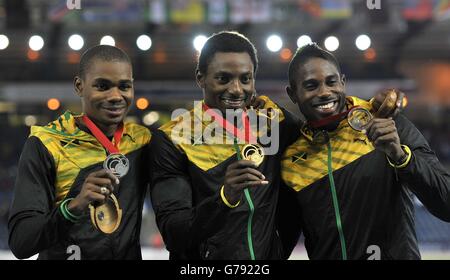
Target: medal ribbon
(245, 135)
(101, 137)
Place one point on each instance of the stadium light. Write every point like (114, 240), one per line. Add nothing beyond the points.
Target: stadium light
(30, 120)
(4, 42)
(76, 42)
(199, 42)
(36, 43)
(150, 118)
(107, 40)
(53, 104)
(274, 43)
(363, 42)
(331, 43)
(303, 41)
(144, 42)
(142, 103)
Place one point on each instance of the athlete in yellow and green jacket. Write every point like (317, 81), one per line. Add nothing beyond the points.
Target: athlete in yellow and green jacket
(350, 192)
(61, 171)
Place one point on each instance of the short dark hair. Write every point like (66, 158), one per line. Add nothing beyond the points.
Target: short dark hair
(226, 41)
(303, 54)
(101, 52)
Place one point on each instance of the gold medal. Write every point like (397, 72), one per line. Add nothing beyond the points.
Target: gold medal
(106, 217)
(253, 152)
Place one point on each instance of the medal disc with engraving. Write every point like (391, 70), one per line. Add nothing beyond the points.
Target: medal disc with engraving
(358, 118)
(107, 216)
(118, 164)
(253, 152)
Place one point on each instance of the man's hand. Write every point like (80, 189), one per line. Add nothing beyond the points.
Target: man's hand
(240, 175)
(383, 134)
(389, 103)
(97, 187)
(257, 102)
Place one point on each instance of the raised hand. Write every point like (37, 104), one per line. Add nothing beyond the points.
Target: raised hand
(96, 188)
(389, 103)
(384, 136)
(240, 175)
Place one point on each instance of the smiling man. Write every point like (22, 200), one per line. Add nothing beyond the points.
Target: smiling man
(209, 202)
(70, 166)
(351, 192)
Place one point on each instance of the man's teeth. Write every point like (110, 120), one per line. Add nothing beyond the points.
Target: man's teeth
(233, 102)
(326, 106)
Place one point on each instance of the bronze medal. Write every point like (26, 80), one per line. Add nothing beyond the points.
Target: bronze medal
(358, 118)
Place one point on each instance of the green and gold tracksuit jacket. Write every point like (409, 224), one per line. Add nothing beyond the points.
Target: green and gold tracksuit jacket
(192, 217)
(348, 200)
(54, 163)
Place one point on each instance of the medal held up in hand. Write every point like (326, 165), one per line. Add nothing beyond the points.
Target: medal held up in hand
(358, 118)
(253, 152)
(107, 216)
(118, 164)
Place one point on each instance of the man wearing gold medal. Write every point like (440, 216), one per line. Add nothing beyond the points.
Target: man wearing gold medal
(213, 199)
(351, 174)
(81, 185)
(217, 200)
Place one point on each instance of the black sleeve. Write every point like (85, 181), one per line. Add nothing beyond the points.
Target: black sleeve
(35, 223)
(288, 219)
(289, 129)
(182, 224)
(288, 210)
(424, 175)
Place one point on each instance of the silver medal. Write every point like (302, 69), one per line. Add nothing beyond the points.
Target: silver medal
(118, 164)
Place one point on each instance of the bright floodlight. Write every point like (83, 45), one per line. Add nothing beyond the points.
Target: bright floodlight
(303, 41)
(274, 43)
(331, 43)
(4, 42)
(199, 42)
(363, 42)
(144, 42)
(36, 43)
(150, 118)
(76, 42)
(108, 40)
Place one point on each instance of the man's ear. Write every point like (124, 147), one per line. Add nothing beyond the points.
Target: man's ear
(200, 78)
(291, 94)
(78, 86)
(343, 79)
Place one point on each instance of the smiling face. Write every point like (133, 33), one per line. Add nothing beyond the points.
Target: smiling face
(228, 82)
(107, 93)
(319, 90)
